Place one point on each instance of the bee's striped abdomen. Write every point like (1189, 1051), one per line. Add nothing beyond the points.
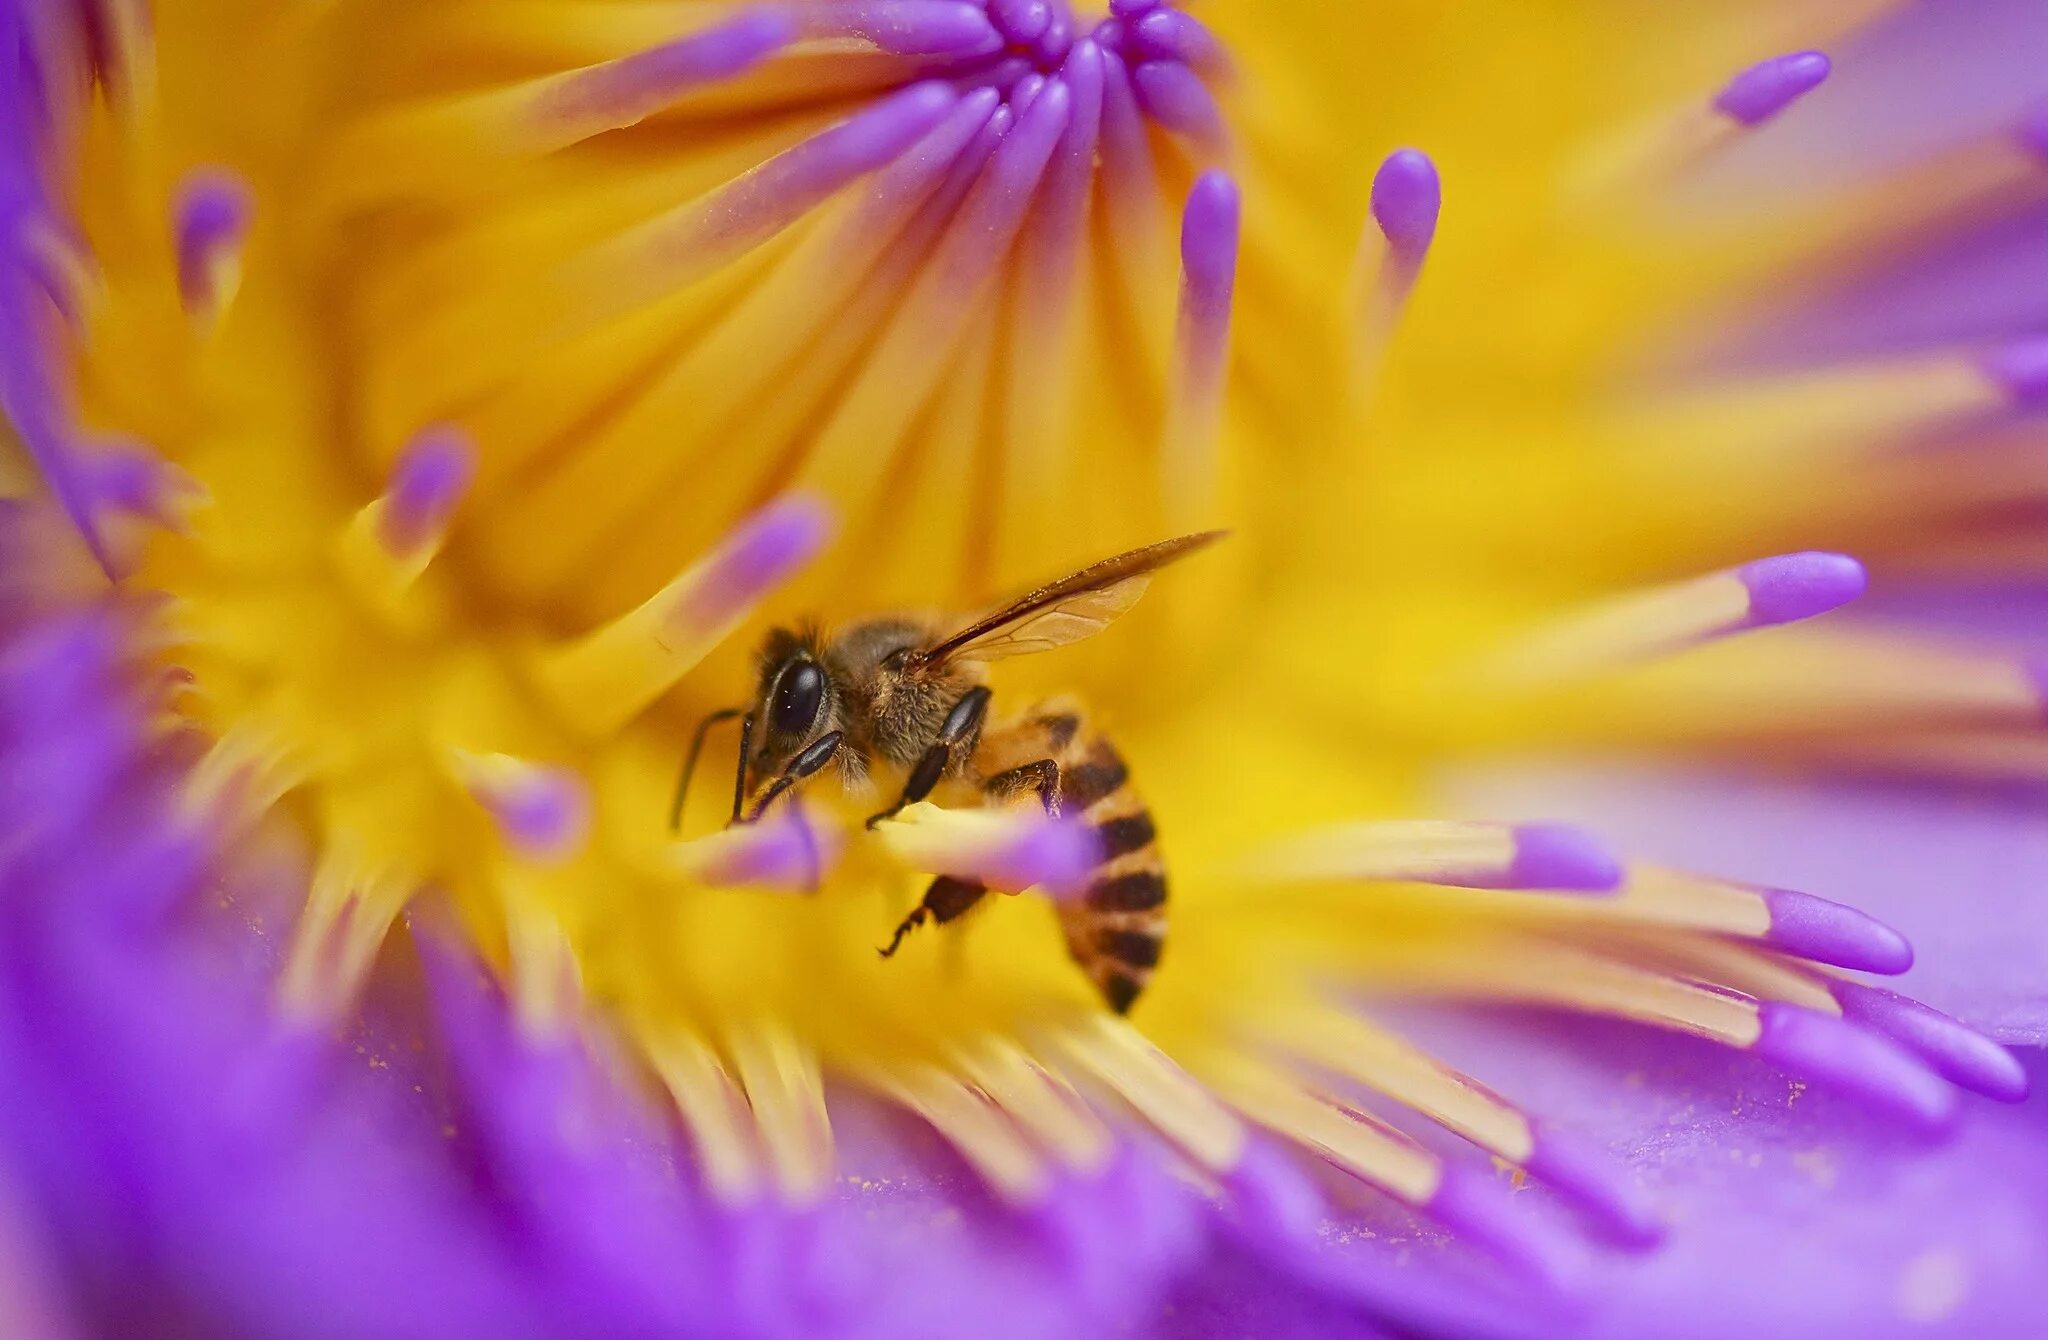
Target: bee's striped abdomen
(1117, 929)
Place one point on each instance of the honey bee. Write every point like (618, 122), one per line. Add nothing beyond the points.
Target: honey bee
(907, 695)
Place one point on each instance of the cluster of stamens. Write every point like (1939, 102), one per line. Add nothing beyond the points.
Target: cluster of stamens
(836, 362)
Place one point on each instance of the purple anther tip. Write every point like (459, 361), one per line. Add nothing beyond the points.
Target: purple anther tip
(875, 137)
(1022, 21)
(789, 852)
(428, 481)
(1858, 1061)
(773, 543)
(131, 477)
(1407, 197)
(1958, 1053)
(1598, 1187)
(1056, 41)
(1769, 87)
(1057, 854)
(1791, 587)
(546, 814)
(210, 219)
(1125, 9)
(1474, 1204)
(1825, 932)
(919, 27)
(1561, 858)
(748, 38)
(1178, 100)
(1169, 34)
(761, 553)
(1209, 230)
(2021, 369)
(2032, 130)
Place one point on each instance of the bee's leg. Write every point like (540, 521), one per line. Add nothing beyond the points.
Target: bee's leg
(946, 899)
(1042, 776)
(800, 767)
(675, 810)
(961, 724)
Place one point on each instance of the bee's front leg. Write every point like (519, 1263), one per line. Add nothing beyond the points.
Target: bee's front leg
(960, 726)
(1042, 776)
(803, 765)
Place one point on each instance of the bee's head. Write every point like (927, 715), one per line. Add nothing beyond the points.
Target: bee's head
(794, 703)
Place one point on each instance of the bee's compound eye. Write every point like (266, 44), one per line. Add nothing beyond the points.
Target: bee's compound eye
(798, 697)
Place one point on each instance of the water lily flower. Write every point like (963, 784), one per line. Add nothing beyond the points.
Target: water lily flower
(416, 414)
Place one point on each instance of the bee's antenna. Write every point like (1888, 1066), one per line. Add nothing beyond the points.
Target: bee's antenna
(675, 810)
(739, 777)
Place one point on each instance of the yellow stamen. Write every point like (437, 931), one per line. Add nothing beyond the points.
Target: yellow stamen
(980, 1131)
(1663, 897)
(1349, 1046)
(607, 678)
(1396, 849)
(1356, 1143)
(1040, 1101)
(1547, 973)
(1617, 632)
(1160, 1091)
(782, 1081)
(714, 1110)
(1820, 417)
(1717, 962)
(347, 915)
(547, 984)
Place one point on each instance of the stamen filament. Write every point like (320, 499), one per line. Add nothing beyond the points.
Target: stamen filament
(390, 542)
(1407, 198)
(898, 376)
(1358, 1144)
(1795, 923)
(972, 1125)
(787, 1092)
(715, 1111)
(474, 346)
(1039, 1101)
(1175, 1105)
(1455, 853)
(1192, 463)
(1673, 142)
(609, 677)
(414, 146)
(546, 976)
(759, 346)
(347, 914)
(1009, 850)
(1763, 594)
(1042, 348)
(1837, 414)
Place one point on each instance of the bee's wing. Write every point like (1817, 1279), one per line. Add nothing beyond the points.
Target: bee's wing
(1072, 608)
